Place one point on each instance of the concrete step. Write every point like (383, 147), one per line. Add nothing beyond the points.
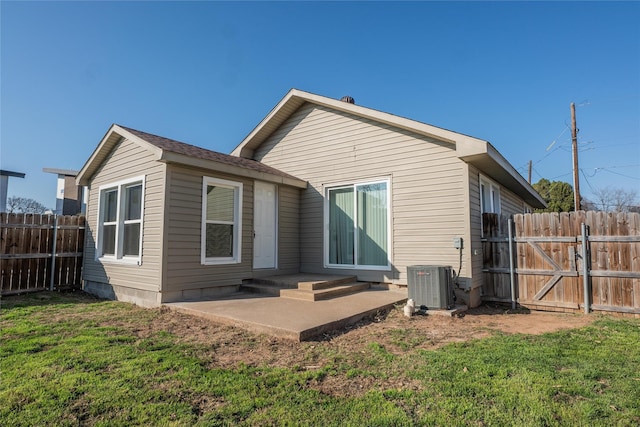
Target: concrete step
(324, 284)
(325, 293)
(259, 288)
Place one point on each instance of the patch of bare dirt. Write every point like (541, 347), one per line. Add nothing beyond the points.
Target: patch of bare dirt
(391, 331)
(226, 346)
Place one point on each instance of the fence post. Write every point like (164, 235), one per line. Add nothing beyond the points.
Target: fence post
(585, 269)
(53, 252)
(512, 277)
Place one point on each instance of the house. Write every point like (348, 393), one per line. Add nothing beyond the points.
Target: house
(69, 196)
(319, 186)
(4, 185)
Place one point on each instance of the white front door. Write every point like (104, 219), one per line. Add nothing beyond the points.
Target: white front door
(265, 225)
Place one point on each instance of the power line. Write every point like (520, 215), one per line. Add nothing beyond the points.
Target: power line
(620, 174)
(560, 176)
(617, 167)
(617, 145)
(587, 181)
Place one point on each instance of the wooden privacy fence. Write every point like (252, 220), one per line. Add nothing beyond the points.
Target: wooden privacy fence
(39, 252)
(548, 253)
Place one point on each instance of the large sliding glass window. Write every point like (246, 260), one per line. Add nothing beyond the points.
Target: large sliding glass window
(358, 225)
(341, 226)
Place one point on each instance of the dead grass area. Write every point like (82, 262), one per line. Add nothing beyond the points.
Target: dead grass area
(227, 346)
(388, 332)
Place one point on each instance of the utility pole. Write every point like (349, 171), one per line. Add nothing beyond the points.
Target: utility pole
(530, 167)
(574, 150)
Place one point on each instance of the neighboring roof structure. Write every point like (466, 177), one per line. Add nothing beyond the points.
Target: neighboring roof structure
(10, 173)
(171, 151)
(65, 172)
(472, 150)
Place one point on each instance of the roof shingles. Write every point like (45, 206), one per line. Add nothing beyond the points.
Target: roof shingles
(178, 147)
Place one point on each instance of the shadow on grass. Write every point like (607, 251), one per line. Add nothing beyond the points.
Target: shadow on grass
(377, 317)
(495, 309)
(45, 298)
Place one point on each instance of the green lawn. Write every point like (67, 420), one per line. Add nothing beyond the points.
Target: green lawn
(69, 359)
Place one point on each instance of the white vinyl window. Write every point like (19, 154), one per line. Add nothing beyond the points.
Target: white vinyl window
(489, 199)
(357, 226)
(221, 221)
(120, 215)
(489, 196)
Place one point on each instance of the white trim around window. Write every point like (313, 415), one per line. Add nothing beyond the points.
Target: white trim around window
(120, 221)
(489, 196)
(357, 225)
(221, 230)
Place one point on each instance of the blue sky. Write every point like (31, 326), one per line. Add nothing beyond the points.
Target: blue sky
(206, 73)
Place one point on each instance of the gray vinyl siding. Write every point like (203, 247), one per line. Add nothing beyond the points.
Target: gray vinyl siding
(510, 204)
(128, 160)
(428, 189)
(183, 268)
(288, 230)
(475, 221)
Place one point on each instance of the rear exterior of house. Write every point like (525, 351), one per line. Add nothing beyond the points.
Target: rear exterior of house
(166, 226)
(385, 193)
(319, 186)
(269, 210)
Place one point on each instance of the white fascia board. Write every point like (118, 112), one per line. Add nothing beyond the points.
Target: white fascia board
(298, 96)
(239, 149)
(157, 151)
(498, 158)
(90, 165)
(108, 141)
(379, 116)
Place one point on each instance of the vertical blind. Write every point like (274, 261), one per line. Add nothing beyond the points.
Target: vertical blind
(358, 225)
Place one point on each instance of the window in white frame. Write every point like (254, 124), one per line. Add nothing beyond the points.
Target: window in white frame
(221, 232)
(357, 225)
(120, 217)
(489, 199)
(489, 196)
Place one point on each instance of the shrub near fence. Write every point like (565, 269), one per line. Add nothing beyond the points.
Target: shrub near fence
(40, 252)
(549, 258)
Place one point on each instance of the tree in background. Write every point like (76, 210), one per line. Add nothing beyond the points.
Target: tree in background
(25, 205)
(612, 199)
(557, 194)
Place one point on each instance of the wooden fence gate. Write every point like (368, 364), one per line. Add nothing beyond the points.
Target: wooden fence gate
(39, 252)
(549, 251)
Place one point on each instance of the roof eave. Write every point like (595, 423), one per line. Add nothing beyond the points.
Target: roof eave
(169, 157)
(106, 144)
(4, 172)
(295, 98)
(65, 172)
(273, 119)
(491, 163)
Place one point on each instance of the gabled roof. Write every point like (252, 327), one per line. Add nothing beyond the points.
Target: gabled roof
(472, 150)
(172, 151)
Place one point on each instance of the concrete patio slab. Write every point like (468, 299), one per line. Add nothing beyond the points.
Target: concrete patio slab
(293, 319)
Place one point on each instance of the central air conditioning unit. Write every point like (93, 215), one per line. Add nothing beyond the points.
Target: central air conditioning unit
(430, 286)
